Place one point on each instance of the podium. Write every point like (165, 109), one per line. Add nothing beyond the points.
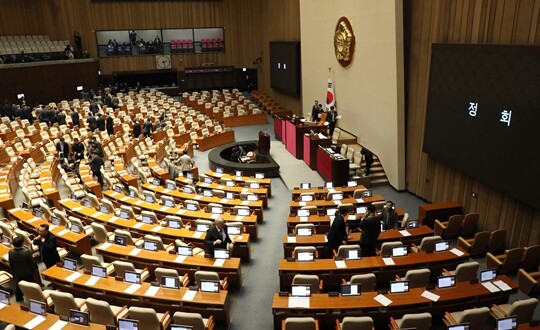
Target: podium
(311, 144)
(294, 133)
(332, 166)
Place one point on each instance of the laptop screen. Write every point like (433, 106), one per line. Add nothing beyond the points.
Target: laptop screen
(78, 317)
(149, 198)
(412, 224)
(124, 214)
(70, 264)
(73, 197)
(169, 203)
(361, 210)
(86, 202)
(38, 213)
(304, 232)
(175, 224)
(252, 197)
(461, 326)
(131, 193)
(305, 185)
(185, 250)
(238, 173)
(99, 271)
(303, 213)
(305, 256)
(331, 212)
(75, 228)
(170, 282)
(6, 241)
(233, 230)
(353, 254)
(181, 327)
(352, 183)
(367, 193)
(254, 185)
(171, 186)
(442, 246)
(202, 227)
(132, 277)
(350, 289)
(207, 193)
(507, 323)
(306, 198)
(488, 275)
(118, 188)
(156, 182)
(150, 246)
(243, 212)
(127, 324)
(221, 254)
(207, 179)
(120, 240)
(104, 208)
(209, 286)
(4, 297)
(147, 219)
(399, 251)
(229, 195)
(446, 282)
(329, 185)
(399, 286)
(188, 190)
(189, 176)
(230, 183)
(55, 220)
(337, 197)
(259, 175)
(217, 210)
(191, 207)
(37, 307)
(300, 290)
(219, 170)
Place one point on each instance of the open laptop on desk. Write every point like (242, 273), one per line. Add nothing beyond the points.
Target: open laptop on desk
(150, 246)
(442, 246)
(306, 198)
(243, 212)
(4, 297)
(303, 213)
(147, 219)
(353, 254)
(305, 186)
(70, 264)
(202, 227)
(507, 323)
(86, 203)
(300, 290)
(222, 254)
(399, 251)
(185, 250)
(461, 326)
(233, 230)
(259, 175)
(37, 307)
(149, 198)
(444, 282)
(156, 182)
(191, 207)
(217, 210)
(304, 232)
(75, 228)
(181, 327)
(488, 275)
(120, 240)
(78, 317)
(104, 209)
(127, 324)
(305, 256)
(171, 186)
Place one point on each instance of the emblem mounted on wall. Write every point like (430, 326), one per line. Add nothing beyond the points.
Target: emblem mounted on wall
(344, 42)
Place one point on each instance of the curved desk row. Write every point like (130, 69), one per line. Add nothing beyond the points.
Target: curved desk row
(321, 191)
(266, 182)
(324, 204)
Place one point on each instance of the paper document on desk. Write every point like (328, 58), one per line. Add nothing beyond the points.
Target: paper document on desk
(92, 281)
(502, 285)
(189, 295)
(430, 295)
(156, 229)
(337, 202)
(73, 277)
(245, 202)
(197, 234)
(298, 302)
(52, 227)
(180, 212)
(134, 252)
(302, 203)
(490, 286)
(164, 208)
(113, 219)
(224, 201)
(219, 175)
(138, 225)
(219, 262)
(78, 208)
(180, 259)
(197, 197)
(382, 300)
(34, 219)
(62, 232)
(125, 198)
(291, 239)
(132, 288)
(152, 290)
(457, 252)
(239, 218)
(34, 322)
(404, 233)
(2, 305)
(58, 325)
(341, 264)
(96, 214)
(359, 200)
(388, 261)
(166, 191)
(204, 184)
(105, 246)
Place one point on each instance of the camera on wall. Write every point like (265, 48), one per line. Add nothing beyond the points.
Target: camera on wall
(257, 61)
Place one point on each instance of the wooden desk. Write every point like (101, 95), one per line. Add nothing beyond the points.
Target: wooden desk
(152, 260)
(262, 192)
(332, 168)
(324, 204)
(327, 309)
(251, 119)
(124, 175)
(311, 144)
(77, 243)
(14, 315)
(427, 213)
(88, 180)
(266, 182)
(112, 291)
(320, 242)
(323, 192)
(215, 140)
(332, 275)
(241, 249)
(295, 131)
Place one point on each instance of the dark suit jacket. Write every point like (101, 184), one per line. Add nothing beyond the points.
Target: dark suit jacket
(212, 235)
(147, 127)
(66, 148)
(92, 123)
(371, 228)
(100, 123)
(75, 118)
(61, 118)
(47, 250)
(109, 123)
(390, 218)
(21, 262)
(136, 129)
(337, 233)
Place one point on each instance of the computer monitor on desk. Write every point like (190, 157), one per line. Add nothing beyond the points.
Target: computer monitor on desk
(351, 289)
(169, 203)
(222, 254)
(303, 213)
(104, 208)
(337, 197)
(329, 185)
(507, 323)
(353, 254)
(185, 250)
(170, 282)
(209, 286)
(300, 290)
(461, 326)
(150, 246)
(305, 185)
(128, 324)
(37, 307)
(304, 232)
(202, 227)
(442, 246)
(99, 271)
(181, 327)
(132, 277)
(78, 317)
(4, 297)
(70, 264)
(446, 282)
(399, 251)
(305, 256)
(399, 286)
(488, 275)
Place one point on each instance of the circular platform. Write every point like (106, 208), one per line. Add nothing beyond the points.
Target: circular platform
(221, 157)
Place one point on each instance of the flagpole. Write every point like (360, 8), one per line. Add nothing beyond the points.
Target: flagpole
(329, 71)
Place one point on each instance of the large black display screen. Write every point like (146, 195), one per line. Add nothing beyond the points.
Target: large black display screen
(285, 67)
(483, 114)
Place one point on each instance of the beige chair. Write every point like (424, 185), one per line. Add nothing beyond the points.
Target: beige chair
(305, 226)
(218, 193)
(312, 209)
(304, 196)
(506, 263)
(358, 193)
(149, 319)
(450, 228)
(101, 234)
(299, 249)
(367, 281)
(149, 215)
(157, 240)
(523, 309)
(64, 302)
(466, 271)
(236, 224)
(300, 323)
(211, 276)
(313, 281)
(476, 317)
(120, 267)
(531, 258)
(342, 250)
(420, 321)
(476, 246)
(426, 245)
(195, 204)
(355, 323)
(386, 248)
(343, 150)
(194, 320)
(89, 260)
(470, 222)
(497, 241)
(5, 277)
(418, 278)
(159, 272)
(32, 291)
(529, 282)
(129, 239)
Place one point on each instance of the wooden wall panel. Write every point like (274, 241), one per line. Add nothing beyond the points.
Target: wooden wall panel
(464, 21)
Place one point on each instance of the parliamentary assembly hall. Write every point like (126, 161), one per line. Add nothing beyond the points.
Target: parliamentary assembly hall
(269, 164)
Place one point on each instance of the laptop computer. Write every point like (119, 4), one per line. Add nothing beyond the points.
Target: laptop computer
(188, 190)
(207, 179)
(175, 224)
(191, 207)
(6, 241)
(181, 327)
(117, 188)
(361, 210)
(304, 232)
(150, 246)
(303, 213)
(305, 256)
(254, 185)
(306, 198)
(259, 175)
(442, 246)
(120, 240)
(149, 198)
(4, 297)
(446, 282)
(86, 203)
(306, 185)
(410, 224)
(209, 286)
(207, 193)
(104, 208)
(238, 173)
(171, 186)
(132, 277)
(99, 271)
(169, 203)
(243, 212)
(78, 317)
(230, 183)
(353, 254)
(351, 289)
(229, 195)
(367, 193)
(219, 170)
(337, 197)
(252, 198)
(461, 326)
(75, 228)
(331, 212)
(329, 185)
(352, 183)
(202, 227)
(37, 307)
(170, 282)
(222, 254)
(38, 213)
(70, 264)
(124, 214)
(233, 230)
(131, 193)
(399, 286)
(399, 251)
(488, 275)
(507, 323)
(300, 290)
(156, 182)
(147, 219)
(217, 210)
(127, 324)
(185, 250)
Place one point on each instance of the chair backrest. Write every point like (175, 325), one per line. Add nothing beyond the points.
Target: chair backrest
(466, 271)
(480, 243)
(127, 234)
(155, 239)
(63, 303)
(205, 275)
(304, 226)
(344, 248)
(298, 249)
(530, 260)
(31, 291)
(100, 233)
(160, 272)
(311, 280)
(418, 278)
(367, 281)
(100, 312)
(453, 226)
(420, 321)
(300, 323)
(89, 260)
(477, 317)
(357, 323)
(147, 317)
(523, 309)
(470, 222)
(386, 247)
(428, 243)
(497, 241)
(511, 261)
(195, 320)
(120, 267)
(312, 209)
(348, 206)
(195, 203)
(343, 150)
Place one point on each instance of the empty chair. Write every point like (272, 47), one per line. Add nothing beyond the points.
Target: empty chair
(450, 228)
(149, 319)
(307, 196)
(420, 321)
(218, 193)
(355, 323)
(506, 263)
(470, 222)
(304, 226)
(194, 205)
(342, 250)
(366, 281)
(531, 259)
(476, 246)
(529, 282)
(300, 249)
(64, 302)
(300, 323)
(101, 234)
(201, 275)
(312, 209)
(426, 245)
(523, 309)
(476, 317)
(418, 278)
(343, 150)
(89, 260)
(156, 240)
(386, 247)
(313, 281)
(32, 291)
(497, 241)
(464, 272)
(194, 320)
(103, 313)
(159, 272)
(120, 267)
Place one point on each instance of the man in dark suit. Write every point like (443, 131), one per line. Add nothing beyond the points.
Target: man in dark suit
(332, 118)
(217, 237)
(77, 149)
(63, 148)
(368, 158)
(22, 264)
(95, 166)
(100, 122)
(109, 125)
(147, 128)
(338, 231)
(371, 228)
(47, 246)
(61, 118)
(92, 123)
(389, 216)
(315, 111)
(136, 129)
(75, 117)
